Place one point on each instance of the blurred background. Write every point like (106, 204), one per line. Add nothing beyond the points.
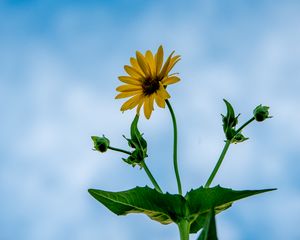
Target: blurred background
(59, 62)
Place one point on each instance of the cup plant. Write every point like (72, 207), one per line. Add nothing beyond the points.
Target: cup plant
(195, 211)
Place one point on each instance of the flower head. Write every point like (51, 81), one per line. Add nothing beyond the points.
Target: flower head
(147, 81)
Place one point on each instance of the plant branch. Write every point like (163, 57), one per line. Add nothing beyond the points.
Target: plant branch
(214, 172)
(152, 179)
(119, 150)
(175, 148)
(245, 124)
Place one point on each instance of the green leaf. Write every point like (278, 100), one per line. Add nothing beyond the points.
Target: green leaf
(229, 121)
(201, 200)
(195, 207)
(164, 208)
(209, 231)
(136, 136)
(138, 143)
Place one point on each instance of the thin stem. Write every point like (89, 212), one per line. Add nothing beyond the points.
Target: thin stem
(156, 186)
(119, 150)
(227, 144)
(214, 172)
(184, 229)
(175, 148)
(245, 124)
(143, 165)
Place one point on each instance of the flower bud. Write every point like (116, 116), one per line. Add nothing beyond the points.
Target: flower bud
(238, 138)
(101, 144)
(261, 113)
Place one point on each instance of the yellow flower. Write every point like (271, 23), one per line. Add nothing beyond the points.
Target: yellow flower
(147, 81)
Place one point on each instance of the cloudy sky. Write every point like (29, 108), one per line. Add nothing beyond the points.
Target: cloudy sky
(59, 62)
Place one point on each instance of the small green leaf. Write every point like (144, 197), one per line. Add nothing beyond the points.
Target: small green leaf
(238, 138)
(229, 123)
(230, 120)
(136, 136)
(164, 208)
(138, 143)
(201, 200)
(209, 231)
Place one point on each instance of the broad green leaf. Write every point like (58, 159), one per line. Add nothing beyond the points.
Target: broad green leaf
(201, 200)
(167, 208)
(209, 231)
(164, 208)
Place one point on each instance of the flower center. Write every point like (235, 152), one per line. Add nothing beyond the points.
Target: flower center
(150, 85)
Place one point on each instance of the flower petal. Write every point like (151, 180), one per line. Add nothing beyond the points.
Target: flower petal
(159, 57)
(173, 61)
(142, 63)
(170, 80)
(128, 88)
(150, 60)
(129, 80)
(135, 65)
(163, 72)
(128, 94)
(139, 107)
(162, 92)
(132, 102)
(148, 106)
(160, 101)
(132, 72)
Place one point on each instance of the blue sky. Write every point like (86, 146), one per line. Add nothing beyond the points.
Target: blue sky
(59, 62)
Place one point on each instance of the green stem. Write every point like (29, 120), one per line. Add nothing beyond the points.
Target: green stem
(175, 148)
(184, 229)
(227, 144)
(155, 184)
(143, 165)
(214, 172)
(245, 124)
(119, 150)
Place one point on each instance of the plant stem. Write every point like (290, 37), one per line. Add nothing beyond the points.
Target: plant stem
(156, 186)
(214, 172)
(184, 229)
(143, 165)
(245, 124)
(175, 148)
(119, 150)
(227, 144)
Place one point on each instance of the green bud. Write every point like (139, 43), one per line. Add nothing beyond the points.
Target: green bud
(101, 144)
(230, 133)
(261, 113)
(238, 138)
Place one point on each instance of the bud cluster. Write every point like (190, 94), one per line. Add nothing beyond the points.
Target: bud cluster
(229, 124)
(138, 143)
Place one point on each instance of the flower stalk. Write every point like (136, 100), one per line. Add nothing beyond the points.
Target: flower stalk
(143, 165)
(175, 163)
(152, 179)
(119, 150)
(223, 153)
(214, 172)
